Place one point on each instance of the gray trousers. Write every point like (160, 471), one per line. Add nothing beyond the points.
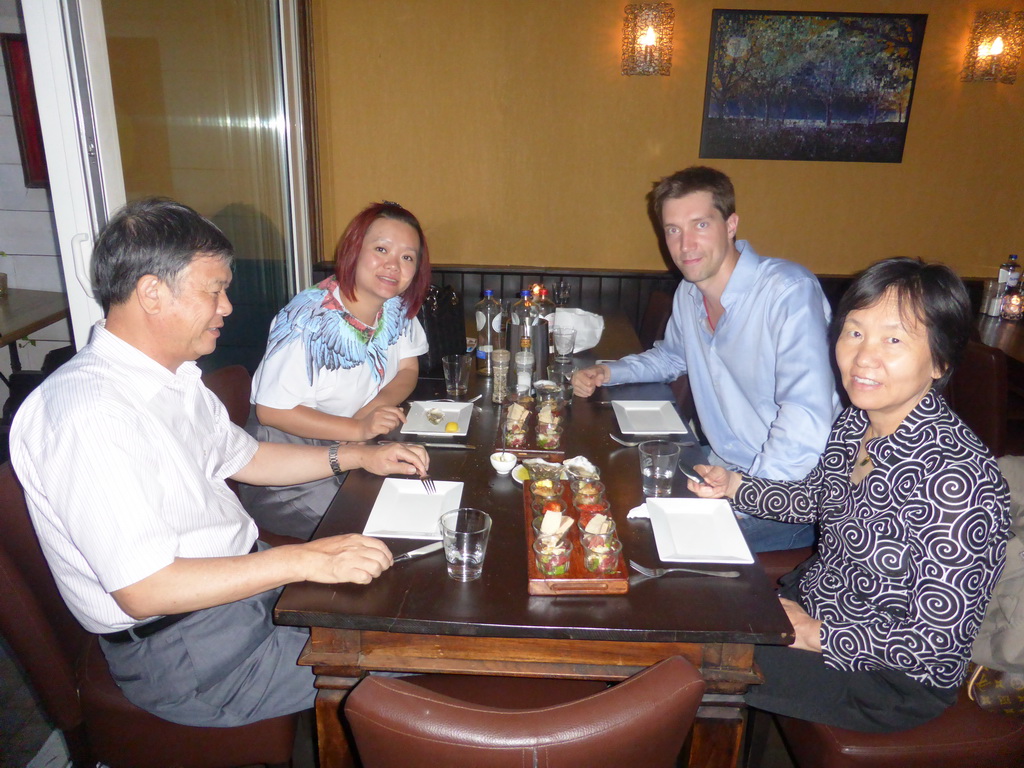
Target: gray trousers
(290, 510)
(222, 667)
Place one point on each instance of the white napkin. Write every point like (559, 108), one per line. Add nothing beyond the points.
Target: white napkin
(638, 513)
(589, 326)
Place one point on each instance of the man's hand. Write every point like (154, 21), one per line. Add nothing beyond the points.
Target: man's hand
(586, 380)
(391, 459)
(352, 558)
(380, 421)
(718, 482)
(807, 629)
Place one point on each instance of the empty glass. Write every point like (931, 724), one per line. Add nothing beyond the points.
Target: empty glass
(565, 343)
(465, 532)
(658, 460)
(456, 374)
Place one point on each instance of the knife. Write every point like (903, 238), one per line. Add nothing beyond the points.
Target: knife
(433, 547)
(456, 446)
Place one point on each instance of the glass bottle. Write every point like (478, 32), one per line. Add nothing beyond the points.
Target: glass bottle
(488, 331)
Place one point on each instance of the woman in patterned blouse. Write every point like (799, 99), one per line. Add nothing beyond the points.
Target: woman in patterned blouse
(341, 357)
(912, 514)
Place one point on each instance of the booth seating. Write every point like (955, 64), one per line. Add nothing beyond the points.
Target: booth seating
(67, 669)
(642, 721)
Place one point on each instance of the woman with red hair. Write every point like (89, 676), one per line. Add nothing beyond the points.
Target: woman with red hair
(341, 357)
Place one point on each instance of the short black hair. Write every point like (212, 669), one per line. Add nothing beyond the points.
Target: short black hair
(152, 236)
(932, 293)
(696, 178)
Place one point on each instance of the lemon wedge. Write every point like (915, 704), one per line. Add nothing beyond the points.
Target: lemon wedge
(451, 426)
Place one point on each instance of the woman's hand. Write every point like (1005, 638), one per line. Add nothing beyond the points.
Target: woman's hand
(806, 628)
(380, 421)
(718, 482)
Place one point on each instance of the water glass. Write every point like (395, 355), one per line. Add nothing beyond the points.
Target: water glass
(658, 460)
(565, 343)
(456, 374)
(464, 533)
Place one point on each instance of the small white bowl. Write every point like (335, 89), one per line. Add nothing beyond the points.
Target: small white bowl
(503, 463)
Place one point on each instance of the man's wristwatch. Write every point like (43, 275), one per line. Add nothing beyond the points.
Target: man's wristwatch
(332, 457)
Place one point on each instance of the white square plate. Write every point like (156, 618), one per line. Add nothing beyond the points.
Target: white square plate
(416, 422)
(404, 509)
(648, 417)
(697, 531)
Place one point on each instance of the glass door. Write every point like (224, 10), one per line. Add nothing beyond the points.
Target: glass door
(199, 101)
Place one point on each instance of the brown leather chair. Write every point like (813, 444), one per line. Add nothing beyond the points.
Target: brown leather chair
(67, 670)
(233, 385)
(977, 392)
(964, 736)
(641, 721)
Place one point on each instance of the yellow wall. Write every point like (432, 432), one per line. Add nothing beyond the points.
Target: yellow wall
(506, 127)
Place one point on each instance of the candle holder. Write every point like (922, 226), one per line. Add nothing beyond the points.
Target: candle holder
(647, 39)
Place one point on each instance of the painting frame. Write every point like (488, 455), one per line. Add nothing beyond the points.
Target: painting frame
(813, 86)
(26, 113)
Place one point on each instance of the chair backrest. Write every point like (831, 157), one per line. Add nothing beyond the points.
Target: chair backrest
(232, 384)
(42, 632)
(641, 721)
(655, 318)
(977, 391)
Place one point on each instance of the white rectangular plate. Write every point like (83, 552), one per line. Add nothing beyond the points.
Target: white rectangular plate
(697, 531)
(404, 509)
(416, 422)
(648, 417)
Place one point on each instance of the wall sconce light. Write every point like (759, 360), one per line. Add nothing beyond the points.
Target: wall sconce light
(647, 39)
(994, 48)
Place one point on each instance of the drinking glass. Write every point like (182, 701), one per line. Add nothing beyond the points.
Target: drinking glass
(658, 460)
(562, 294)
(565, 343)
(456, 374)
(464, 533)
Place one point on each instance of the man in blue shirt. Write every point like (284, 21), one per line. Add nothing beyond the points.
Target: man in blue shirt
(751, 334)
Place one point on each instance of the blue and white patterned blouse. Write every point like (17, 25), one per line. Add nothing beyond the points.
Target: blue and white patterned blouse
(909, 556)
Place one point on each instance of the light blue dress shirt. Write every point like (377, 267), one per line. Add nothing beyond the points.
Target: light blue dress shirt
(762, 382)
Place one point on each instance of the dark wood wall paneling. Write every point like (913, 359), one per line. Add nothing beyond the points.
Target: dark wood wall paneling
(595, 290)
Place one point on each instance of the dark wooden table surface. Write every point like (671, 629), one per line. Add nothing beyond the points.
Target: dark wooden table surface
(23, 311)
(413, 618)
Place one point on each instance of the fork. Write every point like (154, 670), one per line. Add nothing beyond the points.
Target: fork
(654, 573)
(630, 444)
(428, 484)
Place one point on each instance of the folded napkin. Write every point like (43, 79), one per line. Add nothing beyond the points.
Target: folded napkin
(638, 513)
(589, 326)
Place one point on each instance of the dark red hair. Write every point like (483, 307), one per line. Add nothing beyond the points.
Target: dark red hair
(346, 255)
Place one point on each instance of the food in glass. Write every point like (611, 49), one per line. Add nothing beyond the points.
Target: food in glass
(552, 555)
(598, 525)
(587, 491)
(601, 553)
(542, 504)
(515, 425)
(551, 488)
(587, 510)
(548, 437)
(558, 525)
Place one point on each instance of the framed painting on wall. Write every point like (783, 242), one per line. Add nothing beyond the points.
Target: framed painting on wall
(26, 114)
(810, 86)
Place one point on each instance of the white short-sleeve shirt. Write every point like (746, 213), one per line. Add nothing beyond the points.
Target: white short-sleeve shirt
(124, 465)
(315, 357)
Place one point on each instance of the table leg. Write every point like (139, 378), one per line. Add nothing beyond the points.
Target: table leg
(717, 737)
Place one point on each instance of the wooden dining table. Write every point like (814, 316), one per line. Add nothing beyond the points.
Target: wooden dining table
(413, 618)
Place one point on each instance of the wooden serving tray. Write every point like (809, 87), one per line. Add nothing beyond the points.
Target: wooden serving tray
(578, 580)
